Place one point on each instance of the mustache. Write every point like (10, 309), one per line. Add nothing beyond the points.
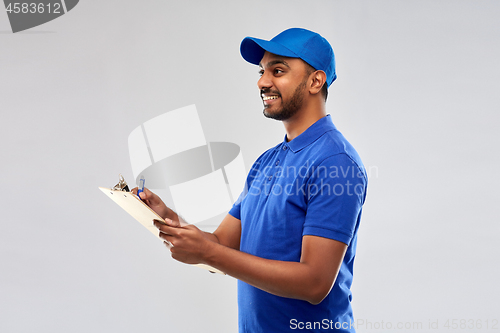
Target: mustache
(269, 91)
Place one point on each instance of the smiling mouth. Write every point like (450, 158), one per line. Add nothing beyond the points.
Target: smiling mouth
(267, 98)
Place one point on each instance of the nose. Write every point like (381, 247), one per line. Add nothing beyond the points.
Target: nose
(264, 82)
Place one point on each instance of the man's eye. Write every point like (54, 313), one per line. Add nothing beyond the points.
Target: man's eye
(278, 71)
(261, 72)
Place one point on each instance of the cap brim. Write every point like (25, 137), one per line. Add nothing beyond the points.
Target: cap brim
(253, 49)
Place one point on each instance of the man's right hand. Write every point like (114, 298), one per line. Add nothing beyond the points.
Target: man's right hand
(155, 203)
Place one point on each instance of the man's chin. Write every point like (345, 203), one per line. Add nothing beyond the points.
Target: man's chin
(276, 115)
(269, 114)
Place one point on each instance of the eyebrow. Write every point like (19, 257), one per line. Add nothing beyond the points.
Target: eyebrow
(274, 62)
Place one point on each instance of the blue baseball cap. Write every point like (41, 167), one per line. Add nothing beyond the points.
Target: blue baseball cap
(294, 43)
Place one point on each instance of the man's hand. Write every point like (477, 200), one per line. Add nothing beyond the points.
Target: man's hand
(187, 239)
(188, 244)
(155, 203)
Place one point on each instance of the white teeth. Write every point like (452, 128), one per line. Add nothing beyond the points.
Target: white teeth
(266, 98)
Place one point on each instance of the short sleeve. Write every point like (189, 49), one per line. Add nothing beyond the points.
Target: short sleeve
(335, 194)
(235, 211)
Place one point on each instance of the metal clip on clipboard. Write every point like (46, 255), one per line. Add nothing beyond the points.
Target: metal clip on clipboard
(122, 185)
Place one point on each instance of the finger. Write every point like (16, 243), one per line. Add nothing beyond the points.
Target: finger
(168, 222)
(145, 194)
(167, 238)
(148, 194)
(159, 224)
(172, 223)
(165, 229)
(134, 190)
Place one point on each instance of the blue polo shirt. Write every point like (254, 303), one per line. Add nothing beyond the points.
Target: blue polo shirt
(312, 185)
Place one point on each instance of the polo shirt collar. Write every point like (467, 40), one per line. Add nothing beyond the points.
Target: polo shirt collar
(311, 134)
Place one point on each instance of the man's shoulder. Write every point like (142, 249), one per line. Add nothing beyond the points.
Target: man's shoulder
(333, 145)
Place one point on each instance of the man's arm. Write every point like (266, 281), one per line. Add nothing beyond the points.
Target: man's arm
(311, 279)
(229, 232)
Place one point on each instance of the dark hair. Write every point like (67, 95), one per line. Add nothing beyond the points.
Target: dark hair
(324, 90)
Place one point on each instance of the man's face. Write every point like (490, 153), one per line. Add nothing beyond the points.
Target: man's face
(282, 85)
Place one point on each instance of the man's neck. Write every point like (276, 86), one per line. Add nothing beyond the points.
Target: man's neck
(302, 120)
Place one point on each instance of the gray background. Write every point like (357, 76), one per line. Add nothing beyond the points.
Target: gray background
(417, 95)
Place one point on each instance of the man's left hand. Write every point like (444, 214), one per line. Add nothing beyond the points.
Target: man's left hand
(187, 243)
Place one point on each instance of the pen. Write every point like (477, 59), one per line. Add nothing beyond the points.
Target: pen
(140, 189)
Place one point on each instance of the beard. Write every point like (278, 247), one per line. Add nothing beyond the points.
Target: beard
(288, 108)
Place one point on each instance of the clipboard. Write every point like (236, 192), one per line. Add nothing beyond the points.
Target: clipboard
(133, 205)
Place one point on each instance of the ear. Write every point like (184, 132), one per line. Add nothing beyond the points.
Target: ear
(318, 80)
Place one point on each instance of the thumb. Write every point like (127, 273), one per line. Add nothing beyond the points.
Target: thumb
(146, 194)
(172, 223)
